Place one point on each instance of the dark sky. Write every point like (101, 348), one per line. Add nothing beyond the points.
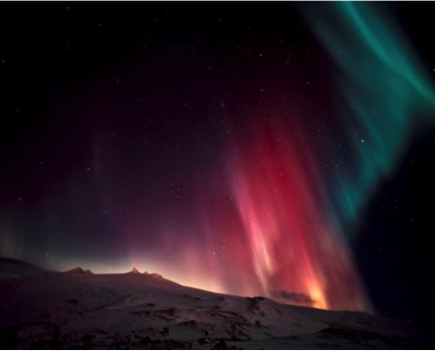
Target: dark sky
(237, 148)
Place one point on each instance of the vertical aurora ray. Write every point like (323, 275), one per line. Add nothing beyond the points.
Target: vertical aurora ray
(296, 253)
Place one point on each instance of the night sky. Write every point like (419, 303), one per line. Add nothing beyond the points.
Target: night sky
(277, 149)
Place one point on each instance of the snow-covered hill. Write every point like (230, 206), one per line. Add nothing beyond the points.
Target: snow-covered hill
(79, 309)
(10, 268)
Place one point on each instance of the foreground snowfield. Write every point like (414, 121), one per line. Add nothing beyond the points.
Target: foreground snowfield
(79, 309)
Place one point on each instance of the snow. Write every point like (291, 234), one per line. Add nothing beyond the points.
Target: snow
(79, 309)
(10, 268)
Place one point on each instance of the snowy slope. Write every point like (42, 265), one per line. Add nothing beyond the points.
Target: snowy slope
(10, 268)
(80, 309)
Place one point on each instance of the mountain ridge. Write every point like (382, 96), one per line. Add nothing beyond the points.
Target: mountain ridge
(135, 310)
